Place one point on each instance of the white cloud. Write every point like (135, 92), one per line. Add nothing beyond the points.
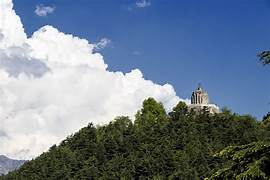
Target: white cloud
(143, 3)
(9, 26)
(102, 44)
(52, 84)
(43, 11)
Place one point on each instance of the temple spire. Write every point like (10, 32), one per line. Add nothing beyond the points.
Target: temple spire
(199, 85)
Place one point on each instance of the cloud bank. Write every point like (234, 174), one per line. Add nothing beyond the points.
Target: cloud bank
(52, 84)
(43, 11)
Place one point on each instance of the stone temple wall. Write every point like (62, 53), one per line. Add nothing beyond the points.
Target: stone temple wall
(211, 108)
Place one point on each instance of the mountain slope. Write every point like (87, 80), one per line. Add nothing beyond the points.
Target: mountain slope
(7, 165)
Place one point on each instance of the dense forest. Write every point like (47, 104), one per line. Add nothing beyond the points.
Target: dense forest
(157, 145)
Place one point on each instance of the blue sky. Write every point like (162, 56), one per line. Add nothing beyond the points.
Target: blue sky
(177, 42)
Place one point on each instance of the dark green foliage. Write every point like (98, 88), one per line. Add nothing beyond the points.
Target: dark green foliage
(264, 57)
(266, 122)
(250, 161)
(180, 145)
(152, 113)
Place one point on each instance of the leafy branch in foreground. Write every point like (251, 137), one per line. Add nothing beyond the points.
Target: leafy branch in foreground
(249, 161)
(264, 57)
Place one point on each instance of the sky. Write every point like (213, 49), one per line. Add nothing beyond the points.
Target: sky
(66, 63)
(178, 42)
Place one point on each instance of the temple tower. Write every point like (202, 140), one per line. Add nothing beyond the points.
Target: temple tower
(200, 101)
(199, 96)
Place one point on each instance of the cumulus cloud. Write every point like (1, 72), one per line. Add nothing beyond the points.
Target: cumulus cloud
(52, 84)
(11, 30)
(15, 61)
(43, 11)
(143, 3)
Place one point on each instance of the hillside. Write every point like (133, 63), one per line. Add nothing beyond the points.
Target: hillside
(7, 165)
(157, 145)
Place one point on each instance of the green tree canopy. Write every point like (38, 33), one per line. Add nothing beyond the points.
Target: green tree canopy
(180, 145)
(264, 57)
(250, 161)
(151, 113)
(180, 110)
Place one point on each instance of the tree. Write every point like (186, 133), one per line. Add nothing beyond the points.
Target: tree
(264, 57)
(265, 123)
(245, 162)
(151, 113)
(180, 110)
(156, 146)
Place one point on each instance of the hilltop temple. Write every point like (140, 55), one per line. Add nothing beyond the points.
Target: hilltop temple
(200, 101)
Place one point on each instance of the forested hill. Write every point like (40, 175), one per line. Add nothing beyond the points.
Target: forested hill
(157, 145)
